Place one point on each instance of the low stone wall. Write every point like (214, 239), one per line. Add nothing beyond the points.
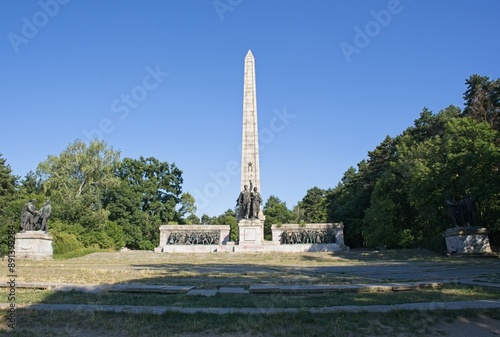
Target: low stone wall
(467, 240)
(288, 238)
(318, 233)
(192, 238)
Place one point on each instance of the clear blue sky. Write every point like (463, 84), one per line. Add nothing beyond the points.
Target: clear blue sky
(341, 74)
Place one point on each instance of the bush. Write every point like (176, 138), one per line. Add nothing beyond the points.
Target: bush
(65, 243)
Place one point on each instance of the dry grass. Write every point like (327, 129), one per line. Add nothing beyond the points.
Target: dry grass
(214, 269)
(143, 266)
(222, 269)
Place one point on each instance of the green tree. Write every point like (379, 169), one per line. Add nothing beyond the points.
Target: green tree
(313, 206)
(9, 212)
(346, 203)
(8, 184)
(149, 195)
(482, 100)
(31, 184)
(192, 219)
(277, 213)
(80, 169)
(465, 160)
(207, 220)
(75, 181)
(229, 218)
(389, 219)
(187, 206)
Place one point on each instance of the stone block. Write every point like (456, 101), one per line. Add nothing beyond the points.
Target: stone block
(231, 290)
(33, 245)
(149, 288)
(467, 240)
(203, 292)
(251, 232)
(264, 288)
(348, 288)
(321, 288)
(291, 289)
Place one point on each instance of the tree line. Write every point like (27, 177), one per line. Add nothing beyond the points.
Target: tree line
(395, 198)
(99, 200)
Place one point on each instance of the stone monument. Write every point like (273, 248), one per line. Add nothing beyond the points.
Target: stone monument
(325, 237)
(466, 236)
(250, 217)
(34, 241)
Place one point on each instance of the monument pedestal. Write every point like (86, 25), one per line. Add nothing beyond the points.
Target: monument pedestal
(33, 245)
(251, 232)
(467, 240)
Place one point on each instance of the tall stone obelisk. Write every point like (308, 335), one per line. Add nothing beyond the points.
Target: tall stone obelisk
(250, 225)
(250, 137)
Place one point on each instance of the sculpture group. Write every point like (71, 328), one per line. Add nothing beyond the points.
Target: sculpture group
(31, 219)
(462, 212)
(308, 236)
(193, 238)
(249, 202)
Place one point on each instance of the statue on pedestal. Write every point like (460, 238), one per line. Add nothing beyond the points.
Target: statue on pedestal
(31, 219)
(244, 202)
(462, 212)
(42, 216)
(256, 202)
(27, 216)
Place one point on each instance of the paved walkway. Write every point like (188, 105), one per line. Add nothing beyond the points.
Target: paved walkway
(255, 289)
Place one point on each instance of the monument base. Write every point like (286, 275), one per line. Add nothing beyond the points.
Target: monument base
(269, 247)
(328, 237)
(33, 245)
(467, 240)
(251, 232)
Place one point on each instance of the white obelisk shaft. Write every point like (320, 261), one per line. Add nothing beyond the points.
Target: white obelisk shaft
(250, 137)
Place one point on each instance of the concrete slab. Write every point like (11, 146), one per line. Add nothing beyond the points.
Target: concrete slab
(374, 287)
(296, 289)
(84, 288)
(148, 288)
(230, 290)
(430, 284)
(347, 288)
(202, 292)
(321, 288)
(402, 286)
(264, 288)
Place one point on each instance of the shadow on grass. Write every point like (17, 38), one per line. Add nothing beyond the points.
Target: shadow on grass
(36, 323)
(84, 323)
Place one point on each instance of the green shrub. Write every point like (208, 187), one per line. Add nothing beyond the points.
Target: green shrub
(65, 243)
